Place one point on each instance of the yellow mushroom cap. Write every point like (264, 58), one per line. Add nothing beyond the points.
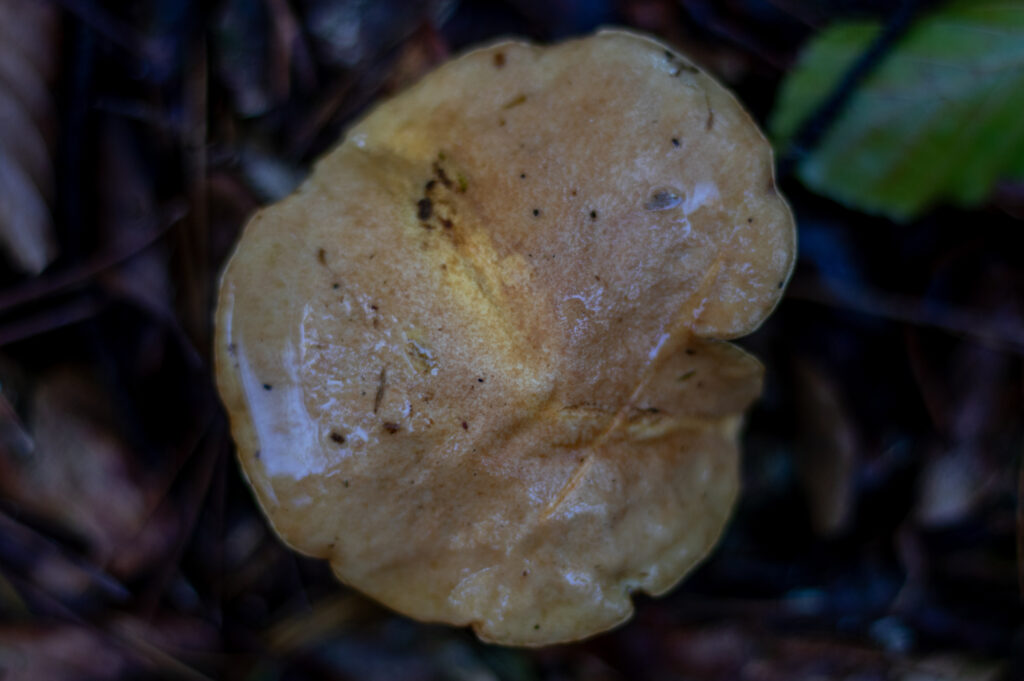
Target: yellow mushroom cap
(476, 360)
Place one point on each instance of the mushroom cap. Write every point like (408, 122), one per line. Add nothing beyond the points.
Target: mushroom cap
(476, 360)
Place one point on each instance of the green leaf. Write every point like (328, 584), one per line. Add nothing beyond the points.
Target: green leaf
(940, 119)
(1017, 172)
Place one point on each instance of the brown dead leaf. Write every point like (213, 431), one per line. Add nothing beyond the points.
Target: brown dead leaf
(28, 42)
(81, 474)
(1020, 529)
(827, 451)
(244, 57)
(971, 396)
(948, 667)
(14, 439)
(27, 26)
(126, 647)
(712, 652)
(424, 50)
(953, 482)
(46, 570)
(58, 653)
(128, 211)
(24, 219)
(349, 34)
(327, 617)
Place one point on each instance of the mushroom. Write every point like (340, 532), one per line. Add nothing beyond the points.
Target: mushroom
(477, 360)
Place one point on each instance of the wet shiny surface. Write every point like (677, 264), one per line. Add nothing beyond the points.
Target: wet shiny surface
(471, 362)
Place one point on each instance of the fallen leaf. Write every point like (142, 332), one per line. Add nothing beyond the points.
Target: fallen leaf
(81, 474)
(349, 33)
(58, 653)
(827, 450)
(27, 117)
(938, 120)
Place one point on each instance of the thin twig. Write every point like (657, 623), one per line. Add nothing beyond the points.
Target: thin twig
(1020, 529)
(51, 319)
(194, 233)
(112, 633)
(58, 282)
(212, 448)
(958, 321)
(706, 15)
(118, 32)
(20, 535)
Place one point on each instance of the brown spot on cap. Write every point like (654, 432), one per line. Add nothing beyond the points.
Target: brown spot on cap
(424, 208)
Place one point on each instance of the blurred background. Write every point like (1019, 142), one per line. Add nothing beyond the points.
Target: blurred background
(880, 531)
